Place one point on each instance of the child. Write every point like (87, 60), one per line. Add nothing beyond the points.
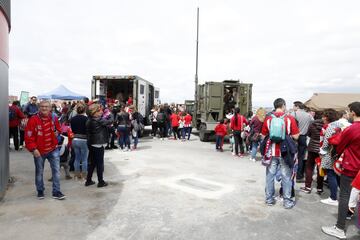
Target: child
(220, 132)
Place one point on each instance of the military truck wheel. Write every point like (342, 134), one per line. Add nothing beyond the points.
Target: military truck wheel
(204, 136)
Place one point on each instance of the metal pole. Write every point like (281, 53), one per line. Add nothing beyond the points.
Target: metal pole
(197, 61)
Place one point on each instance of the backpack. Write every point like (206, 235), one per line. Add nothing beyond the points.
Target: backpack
(160, 117)
(277, 129)
(12, 114)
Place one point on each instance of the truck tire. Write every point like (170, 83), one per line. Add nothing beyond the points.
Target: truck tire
(203, 134)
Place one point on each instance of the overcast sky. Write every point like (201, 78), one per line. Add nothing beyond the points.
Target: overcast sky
(288, 49)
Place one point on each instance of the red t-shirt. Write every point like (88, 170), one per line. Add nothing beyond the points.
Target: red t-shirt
(221, 130)
(241, 120)
(188, 120)
(291, 129)
(174, 120)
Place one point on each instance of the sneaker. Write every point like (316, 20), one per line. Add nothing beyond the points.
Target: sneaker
(252, 159)
(68, 177)
(319, 191)
(233, 153)
(270, 203)
(221, 150)
(334, 231)
(21, 147)
(350, 213)
(114, 147)
(289, 205)
(241, 155)
(40, 195)
(58, 196)
(329, 201)
(102, 184)
(89, 183)
(305, 190)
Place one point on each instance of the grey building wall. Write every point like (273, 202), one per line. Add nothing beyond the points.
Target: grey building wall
(4, 112)
(4, 129)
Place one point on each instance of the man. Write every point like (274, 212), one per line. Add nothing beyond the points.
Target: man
(15, 116)
(31, 108)
(350, 146)
(276, 159)
(303, 120)
(41, 140)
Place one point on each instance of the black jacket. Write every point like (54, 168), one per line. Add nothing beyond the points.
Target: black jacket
(97, 130)
(314, 134)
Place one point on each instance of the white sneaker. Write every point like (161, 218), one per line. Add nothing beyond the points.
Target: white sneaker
(334, 231)
(329, 201)
(233, 153)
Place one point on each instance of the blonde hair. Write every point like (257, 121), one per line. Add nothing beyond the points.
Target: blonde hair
(261, 114)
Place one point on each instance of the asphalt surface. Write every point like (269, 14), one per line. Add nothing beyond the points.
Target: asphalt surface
(163, 190)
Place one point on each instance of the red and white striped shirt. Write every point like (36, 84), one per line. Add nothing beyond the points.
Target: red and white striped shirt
(291, 129)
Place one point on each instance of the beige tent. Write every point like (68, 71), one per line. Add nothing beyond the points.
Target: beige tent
(337, 101)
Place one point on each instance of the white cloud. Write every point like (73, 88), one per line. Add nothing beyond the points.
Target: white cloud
(286, 49)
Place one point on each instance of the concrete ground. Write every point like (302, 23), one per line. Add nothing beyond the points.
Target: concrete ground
(164, 190)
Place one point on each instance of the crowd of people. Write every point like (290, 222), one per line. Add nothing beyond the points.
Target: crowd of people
(292, 144)
(295, 143)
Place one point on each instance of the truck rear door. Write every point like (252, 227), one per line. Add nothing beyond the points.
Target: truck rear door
(141, 97)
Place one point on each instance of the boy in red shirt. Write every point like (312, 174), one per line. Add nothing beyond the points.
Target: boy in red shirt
(220, 132)
(277, 161)
(187, 125)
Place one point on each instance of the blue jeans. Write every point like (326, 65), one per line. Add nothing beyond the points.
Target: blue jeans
(301, 156)
(81, 154)
(187, 132)
(124, 137)
(286, 182)
(219, 141)
(254, 147)
(54, 160)
(333, 185)
(136, 140)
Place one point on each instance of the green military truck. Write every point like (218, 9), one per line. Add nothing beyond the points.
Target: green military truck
(215, 100)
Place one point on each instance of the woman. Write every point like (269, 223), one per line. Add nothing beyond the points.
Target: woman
(153, 115)
(313, 153)
(136, 126)
(97, 136)
(78, 127)
(123, 129)
(237, 126)
(175, 124)
(255, 129)
(329, 118)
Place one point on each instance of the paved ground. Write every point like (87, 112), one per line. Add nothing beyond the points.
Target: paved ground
(164, 190)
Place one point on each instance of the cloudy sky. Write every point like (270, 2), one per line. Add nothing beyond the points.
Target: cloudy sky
(288, 49)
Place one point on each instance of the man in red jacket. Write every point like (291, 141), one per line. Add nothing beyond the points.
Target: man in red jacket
(15, 116)
(350, 147)
(41, 140)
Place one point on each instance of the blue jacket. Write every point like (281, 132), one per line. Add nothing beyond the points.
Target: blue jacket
(288, 150)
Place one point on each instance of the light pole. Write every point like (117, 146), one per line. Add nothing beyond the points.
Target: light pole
(196, 72)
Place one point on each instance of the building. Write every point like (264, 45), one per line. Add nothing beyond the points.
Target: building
(4, 92)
